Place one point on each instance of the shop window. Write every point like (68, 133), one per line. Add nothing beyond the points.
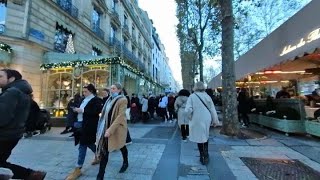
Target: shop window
(61, 38)
(62, 84)
(96, 51)
(3, 12)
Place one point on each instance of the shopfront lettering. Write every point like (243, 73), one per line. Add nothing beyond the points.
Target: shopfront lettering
(312, 36)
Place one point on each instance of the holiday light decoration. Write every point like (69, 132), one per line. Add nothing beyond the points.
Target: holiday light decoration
(5, 47)
(70, 47)
(99, 61)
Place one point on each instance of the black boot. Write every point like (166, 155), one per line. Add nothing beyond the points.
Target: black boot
(201, 147)
(125, 164)
(206, 153)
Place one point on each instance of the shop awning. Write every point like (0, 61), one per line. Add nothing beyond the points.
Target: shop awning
(295, 38)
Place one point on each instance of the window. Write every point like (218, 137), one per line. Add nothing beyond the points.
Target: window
(114, 4)
(96, 17)
(61, 38)
(125, 18)
(96, 51)
(3, 12)
(112, 33)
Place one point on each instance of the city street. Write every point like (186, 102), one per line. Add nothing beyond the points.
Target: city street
(158, 153)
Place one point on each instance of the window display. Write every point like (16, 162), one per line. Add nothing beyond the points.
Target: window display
(63, 84)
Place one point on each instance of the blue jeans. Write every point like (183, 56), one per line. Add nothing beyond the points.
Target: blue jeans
(83, 152)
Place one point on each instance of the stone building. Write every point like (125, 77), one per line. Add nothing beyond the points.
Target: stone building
(76, 42)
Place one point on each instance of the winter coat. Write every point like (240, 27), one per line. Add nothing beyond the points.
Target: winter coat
(201, 117)
(15, 102)
(118, 125)
(144, 103)
(179, 106)
(91, 113)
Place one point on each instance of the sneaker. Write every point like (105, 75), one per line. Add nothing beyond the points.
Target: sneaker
(35, 133)
(75, 174)
(185, 140)
(37, 175)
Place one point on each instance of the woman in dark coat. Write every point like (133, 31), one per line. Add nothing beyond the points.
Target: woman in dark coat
(86, 127)
(244, 107)
(72, 116)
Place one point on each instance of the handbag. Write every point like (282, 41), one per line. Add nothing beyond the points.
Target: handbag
(213, 119)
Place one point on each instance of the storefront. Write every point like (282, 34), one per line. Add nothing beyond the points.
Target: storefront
(288, 57)
(62, 80)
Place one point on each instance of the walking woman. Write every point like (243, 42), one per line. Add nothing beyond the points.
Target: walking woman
(203, 113)
(112, 129)
(183, 119)
(86, 127)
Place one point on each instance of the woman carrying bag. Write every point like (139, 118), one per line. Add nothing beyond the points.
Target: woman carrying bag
(202, 113)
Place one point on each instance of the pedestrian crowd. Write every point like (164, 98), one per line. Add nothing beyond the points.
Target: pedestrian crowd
(100, 124)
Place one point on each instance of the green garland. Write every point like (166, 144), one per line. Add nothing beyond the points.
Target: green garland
(114, 60)
(5, 47)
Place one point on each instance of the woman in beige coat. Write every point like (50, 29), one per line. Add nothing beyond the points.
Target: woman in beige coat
(203, 113)
(112, 129)
(183, 119)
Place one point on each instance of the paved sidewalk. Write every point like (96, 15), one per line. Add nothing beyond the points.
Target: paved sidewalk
(57, 155)
(157, 152)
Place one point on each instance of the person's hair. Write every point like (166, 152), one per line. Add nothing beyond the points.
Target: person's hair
(184, 92)
(118, 86)
(12, 73)
(91, 88)
(106, 89)
(199, 86)
(124, 92)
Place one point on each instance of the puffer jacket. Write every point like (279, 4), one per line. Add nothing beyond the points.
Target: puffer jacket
(15, 102)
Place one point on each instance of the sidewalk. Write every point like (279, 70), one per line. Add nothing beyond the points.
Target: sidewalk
(230, 158)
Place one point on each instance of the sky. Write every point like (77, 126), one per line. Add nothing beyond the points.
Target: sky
(163, 14)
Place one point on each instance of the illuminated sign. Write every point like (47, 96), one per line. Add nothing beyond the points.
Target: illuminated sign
(312, 36)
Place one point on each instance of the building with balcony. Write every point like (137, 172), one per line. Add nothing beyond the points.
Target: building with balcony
(76, 42)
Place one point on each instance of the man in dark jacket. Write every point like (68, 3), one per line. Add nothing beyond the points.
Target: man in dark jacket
(14, 109)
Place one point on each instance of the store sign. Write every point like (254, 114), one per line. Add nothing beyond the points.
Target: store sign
(312, 36)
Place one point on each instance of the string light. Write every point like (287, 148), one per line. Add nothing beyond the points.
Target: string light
(5, 47)
(110, 61)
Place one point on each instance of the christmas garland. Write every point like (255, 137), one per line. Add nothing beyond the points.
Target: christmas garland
(5, 47)
(114, 60)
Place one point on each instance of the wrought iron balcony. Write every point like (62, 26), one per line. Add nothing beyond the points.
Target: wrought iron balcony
(115, 18)
(126, 30)
(97, 30)
(67, 6)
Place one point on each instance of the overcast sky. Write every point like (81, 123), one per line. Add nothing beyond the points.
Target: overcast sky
(163, 14)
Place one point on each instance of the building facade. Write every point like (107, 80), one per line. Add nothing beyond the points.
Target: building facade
(77, 42)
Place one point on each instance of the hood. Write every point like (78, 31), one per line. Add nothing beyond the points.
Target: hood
(183, 98)
(22, 85)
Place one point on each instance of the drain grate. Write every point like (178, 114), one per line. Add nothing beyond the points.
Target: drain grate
(267, 169)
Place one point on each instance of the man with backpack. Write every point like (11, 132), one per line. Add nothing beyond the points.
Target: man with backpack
(14, 109)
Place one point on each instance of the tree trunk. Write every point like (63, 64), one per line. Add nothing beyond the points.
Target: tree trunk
(201, 65)
(230, 126)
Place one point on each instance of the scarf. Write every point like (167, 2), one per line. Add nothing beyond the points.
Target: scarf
(103, 123)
